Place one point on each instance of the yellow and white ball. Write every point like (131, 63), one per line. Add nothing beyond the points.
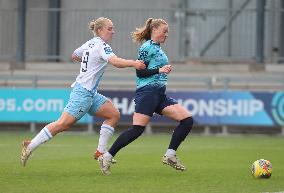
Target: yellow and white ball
(261, 169)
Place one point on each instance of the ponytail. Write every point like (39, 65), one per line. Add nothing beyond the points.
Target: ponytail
(144, 33)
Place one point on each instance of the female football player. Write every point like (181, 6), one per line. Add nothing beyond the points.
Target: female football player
(150, 96)
(84, 98)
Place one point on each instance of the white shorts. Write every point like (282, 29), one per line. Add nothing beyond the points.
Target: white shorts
(83, 101)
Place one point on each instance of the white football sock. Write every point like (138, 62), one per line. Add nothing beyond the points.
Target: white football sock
(105, 134)
(107, 156)
(43, 136)
(170, 152)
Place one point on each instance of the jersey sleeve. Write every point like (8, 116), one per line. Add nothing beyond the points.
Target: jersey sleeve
(146, 72)
(105, 51)
(79, 51)
(145, 54)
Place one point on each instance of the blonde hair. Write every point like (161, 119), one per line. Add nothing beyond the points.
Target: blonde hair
(97, 24)
(144, 33)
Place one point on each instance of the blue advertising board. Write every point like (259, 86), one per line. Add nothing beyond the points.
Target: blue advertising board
(207, 108)
(218, 107)
(33, 105)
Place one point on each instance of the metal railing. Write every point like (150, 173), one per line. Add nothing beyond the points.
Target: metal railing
(113, 82)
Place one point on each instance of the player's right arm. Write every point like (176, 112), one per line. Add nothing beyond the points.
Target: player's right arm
(107, 54)
(122, 63)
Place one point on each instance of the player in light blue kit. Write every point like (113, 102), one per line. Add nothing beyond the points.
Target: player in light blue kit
(94, 56)
(150, 96)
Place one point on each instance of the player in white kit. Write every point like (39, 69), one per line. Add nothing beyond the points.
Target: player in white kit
(94, 56)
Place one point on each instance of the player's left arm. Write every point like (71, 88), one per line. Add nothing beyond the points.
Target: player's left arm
(76, 58)
(78, 53)
(146, 72)
(146, 55)
(149, 72)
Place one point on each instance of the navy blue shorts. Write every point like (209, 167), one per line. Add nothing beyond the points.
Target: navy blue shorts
(152, 99)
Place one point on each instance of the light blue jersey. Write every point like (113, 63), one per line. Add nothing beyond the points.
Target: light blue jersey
(154, 57)
(95, 54)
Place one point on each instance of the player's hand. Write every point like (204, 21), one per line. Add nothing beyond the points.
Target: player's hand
(139, 65)
(166, 69)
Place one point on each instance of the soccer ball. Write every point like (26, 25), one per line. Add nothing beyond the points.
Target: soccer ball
(261, 168)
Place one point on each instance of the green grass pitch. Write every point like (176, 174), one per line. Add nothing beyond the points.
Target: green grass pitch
(214, 164)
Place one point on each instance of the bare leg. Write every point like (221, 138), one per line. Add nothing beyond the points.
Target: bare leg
(124, 139)
(63, 123)
(111, 116)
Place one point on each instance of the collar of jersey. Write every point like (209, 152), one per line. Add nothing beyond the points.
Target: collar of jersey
(155, 43)
(97, 37)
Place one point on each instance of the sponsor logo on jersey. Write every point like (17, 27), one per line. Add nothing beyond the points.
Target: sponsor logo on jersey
(108, 50)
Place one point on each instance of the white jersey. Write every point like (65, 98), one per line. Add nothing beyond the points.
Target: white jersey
(94, 54)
